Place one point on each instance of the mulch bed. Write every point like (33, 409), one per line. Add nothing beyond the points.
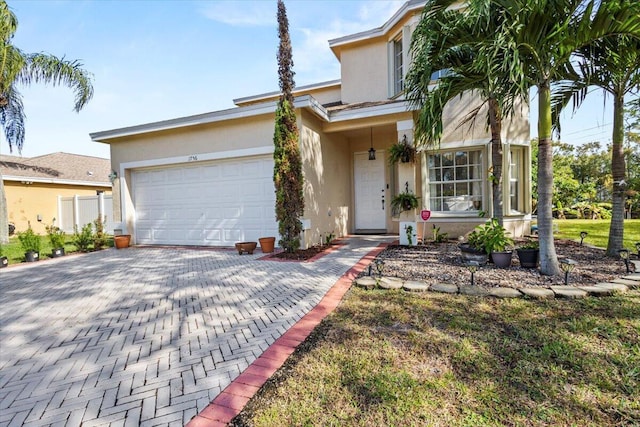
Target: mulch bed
(442, 263)
(304, 254)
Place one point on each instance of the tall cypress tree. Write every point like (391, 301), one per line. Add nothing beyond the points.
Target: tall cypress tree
(287, 174)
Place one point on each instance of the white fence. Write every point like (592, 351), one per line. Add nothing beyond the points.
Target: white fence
(81, 210)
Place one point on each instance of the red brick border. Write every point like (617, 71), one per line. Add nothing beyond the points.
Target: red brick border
(232, 400)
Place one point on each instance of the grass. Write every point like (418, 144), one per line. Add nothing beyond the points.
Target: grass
(15, 254)
(398, 358)
(598, 231)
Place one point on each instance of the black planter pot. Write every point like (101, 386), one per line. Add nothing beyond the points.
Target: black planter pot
(472, 254)
(31, 256)
(4, 262)
(57, 252)
(528, 257)
(502, 259)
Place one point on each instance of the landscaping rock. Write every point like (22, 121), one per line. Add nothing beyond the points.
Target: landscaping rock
(415, 286)
(597, 291)
(473, 290)
(390, 283)
(366, 282)
(538, 293)
(444, 287)
(614, 286)
(505, 293)
(568, 292)
(632, 276)
(633, 284)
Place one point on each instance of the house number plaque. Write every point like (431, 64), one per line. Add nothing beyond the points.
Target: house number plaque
(193, 158)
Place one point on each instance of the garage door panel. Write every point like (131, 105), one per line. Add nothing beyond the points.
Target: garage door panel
(214, 204)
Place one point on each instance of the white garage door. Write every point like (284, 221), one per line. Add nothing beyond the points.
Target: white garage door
(211, 204)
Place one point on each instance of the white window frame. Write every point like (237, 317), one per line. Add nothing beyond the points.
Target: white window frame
(516, 173)
(476, 202)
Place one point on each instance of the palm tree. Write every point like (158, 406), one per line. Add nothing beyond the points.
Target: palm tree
(19, 68)
(613, 65)
(464, 43)
(542, 39)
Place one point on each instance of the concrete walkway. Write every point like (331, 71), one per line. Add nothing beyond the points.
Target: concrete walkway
(146, 336)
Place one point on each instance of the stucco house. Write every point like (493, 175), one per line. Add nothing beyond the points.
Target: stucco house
(207, 179)
(35, 186)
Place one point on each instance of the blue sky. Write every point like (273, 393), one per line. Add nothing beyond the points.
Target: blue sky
(157, 60)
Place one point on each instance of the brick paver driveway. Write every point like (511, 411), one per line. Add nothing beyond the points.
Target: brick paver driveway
(145, 336)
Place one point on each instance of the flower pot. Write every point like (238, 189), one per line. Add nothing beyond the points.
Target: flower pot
(4, 262)
(247, 247)
(57, 252)
(31, 256)
(267, 244)
(470, 253)
(528, 257)
(122, 241)
(502, 259)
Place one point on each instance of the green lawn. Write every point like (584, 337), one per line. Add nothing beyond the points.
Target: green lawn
(393, 358)
(15, 254)
(598, 231)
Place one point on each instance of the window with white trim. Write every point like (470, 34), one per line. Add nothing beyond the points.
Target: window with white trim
(516, 164)
(455, 181)
(440, 74)
(398, 72)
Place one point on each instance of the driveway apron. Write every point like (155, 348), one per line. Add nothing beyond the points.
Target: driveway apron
(146, 336)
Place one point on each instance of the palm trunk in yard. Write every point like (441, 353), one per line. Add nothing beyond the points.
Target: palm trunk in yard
(548, 258)
(4, 215)
(495, 121)
(616, 229)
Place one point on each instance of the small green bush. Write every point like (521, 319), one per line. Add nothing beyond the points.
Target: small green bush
(29, 240)
(99, 237)
(57, 237)
(84, 238)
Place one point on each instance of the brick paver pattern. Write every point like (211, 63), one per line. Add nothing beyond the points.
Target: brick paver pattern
(145, 336)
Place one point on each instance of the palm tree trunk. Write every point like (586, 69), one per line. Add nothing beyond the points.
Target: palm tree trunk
(548, 257)
(495, 121)
(616, 229)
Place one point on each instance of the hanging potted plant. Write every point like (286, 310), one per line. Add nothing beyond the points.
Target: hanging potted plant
(528, 254)
(404, 201)
(403, 152)
(30, 242)
(57, 238)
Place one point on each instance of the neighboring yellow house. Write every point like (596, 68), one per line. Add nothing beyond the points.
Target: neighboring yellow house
(207, 179)
(34, 186)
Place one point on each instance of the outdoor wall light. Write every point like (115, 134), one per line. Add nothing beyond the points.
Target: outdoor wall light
(472, 266)
(624, 254)
(112, 176)
(583, 234)
(567, 265)
(372, 151)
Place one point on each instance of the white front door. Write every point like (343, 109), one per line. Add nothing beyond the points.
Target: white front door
(370, 192)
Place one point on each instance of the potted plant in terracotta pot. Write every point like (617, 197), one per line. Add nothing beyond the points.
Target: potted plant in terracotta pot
(121, 241)
(30, 242)
(528, 254)
(267, 244)
(57, 238)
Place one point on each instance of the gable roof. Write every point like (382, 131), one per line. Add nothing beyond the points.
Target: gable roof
(61, 168)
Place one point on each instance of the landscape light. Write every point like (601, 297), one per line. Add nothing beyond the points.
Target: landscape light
(583, 234)
(472, 266)
(624, 254)
(567, 265)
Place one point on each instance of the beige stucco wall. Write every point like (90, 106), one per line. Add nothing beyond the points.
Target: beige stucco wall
(26, 201)
(327, 183)
(364, 72)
